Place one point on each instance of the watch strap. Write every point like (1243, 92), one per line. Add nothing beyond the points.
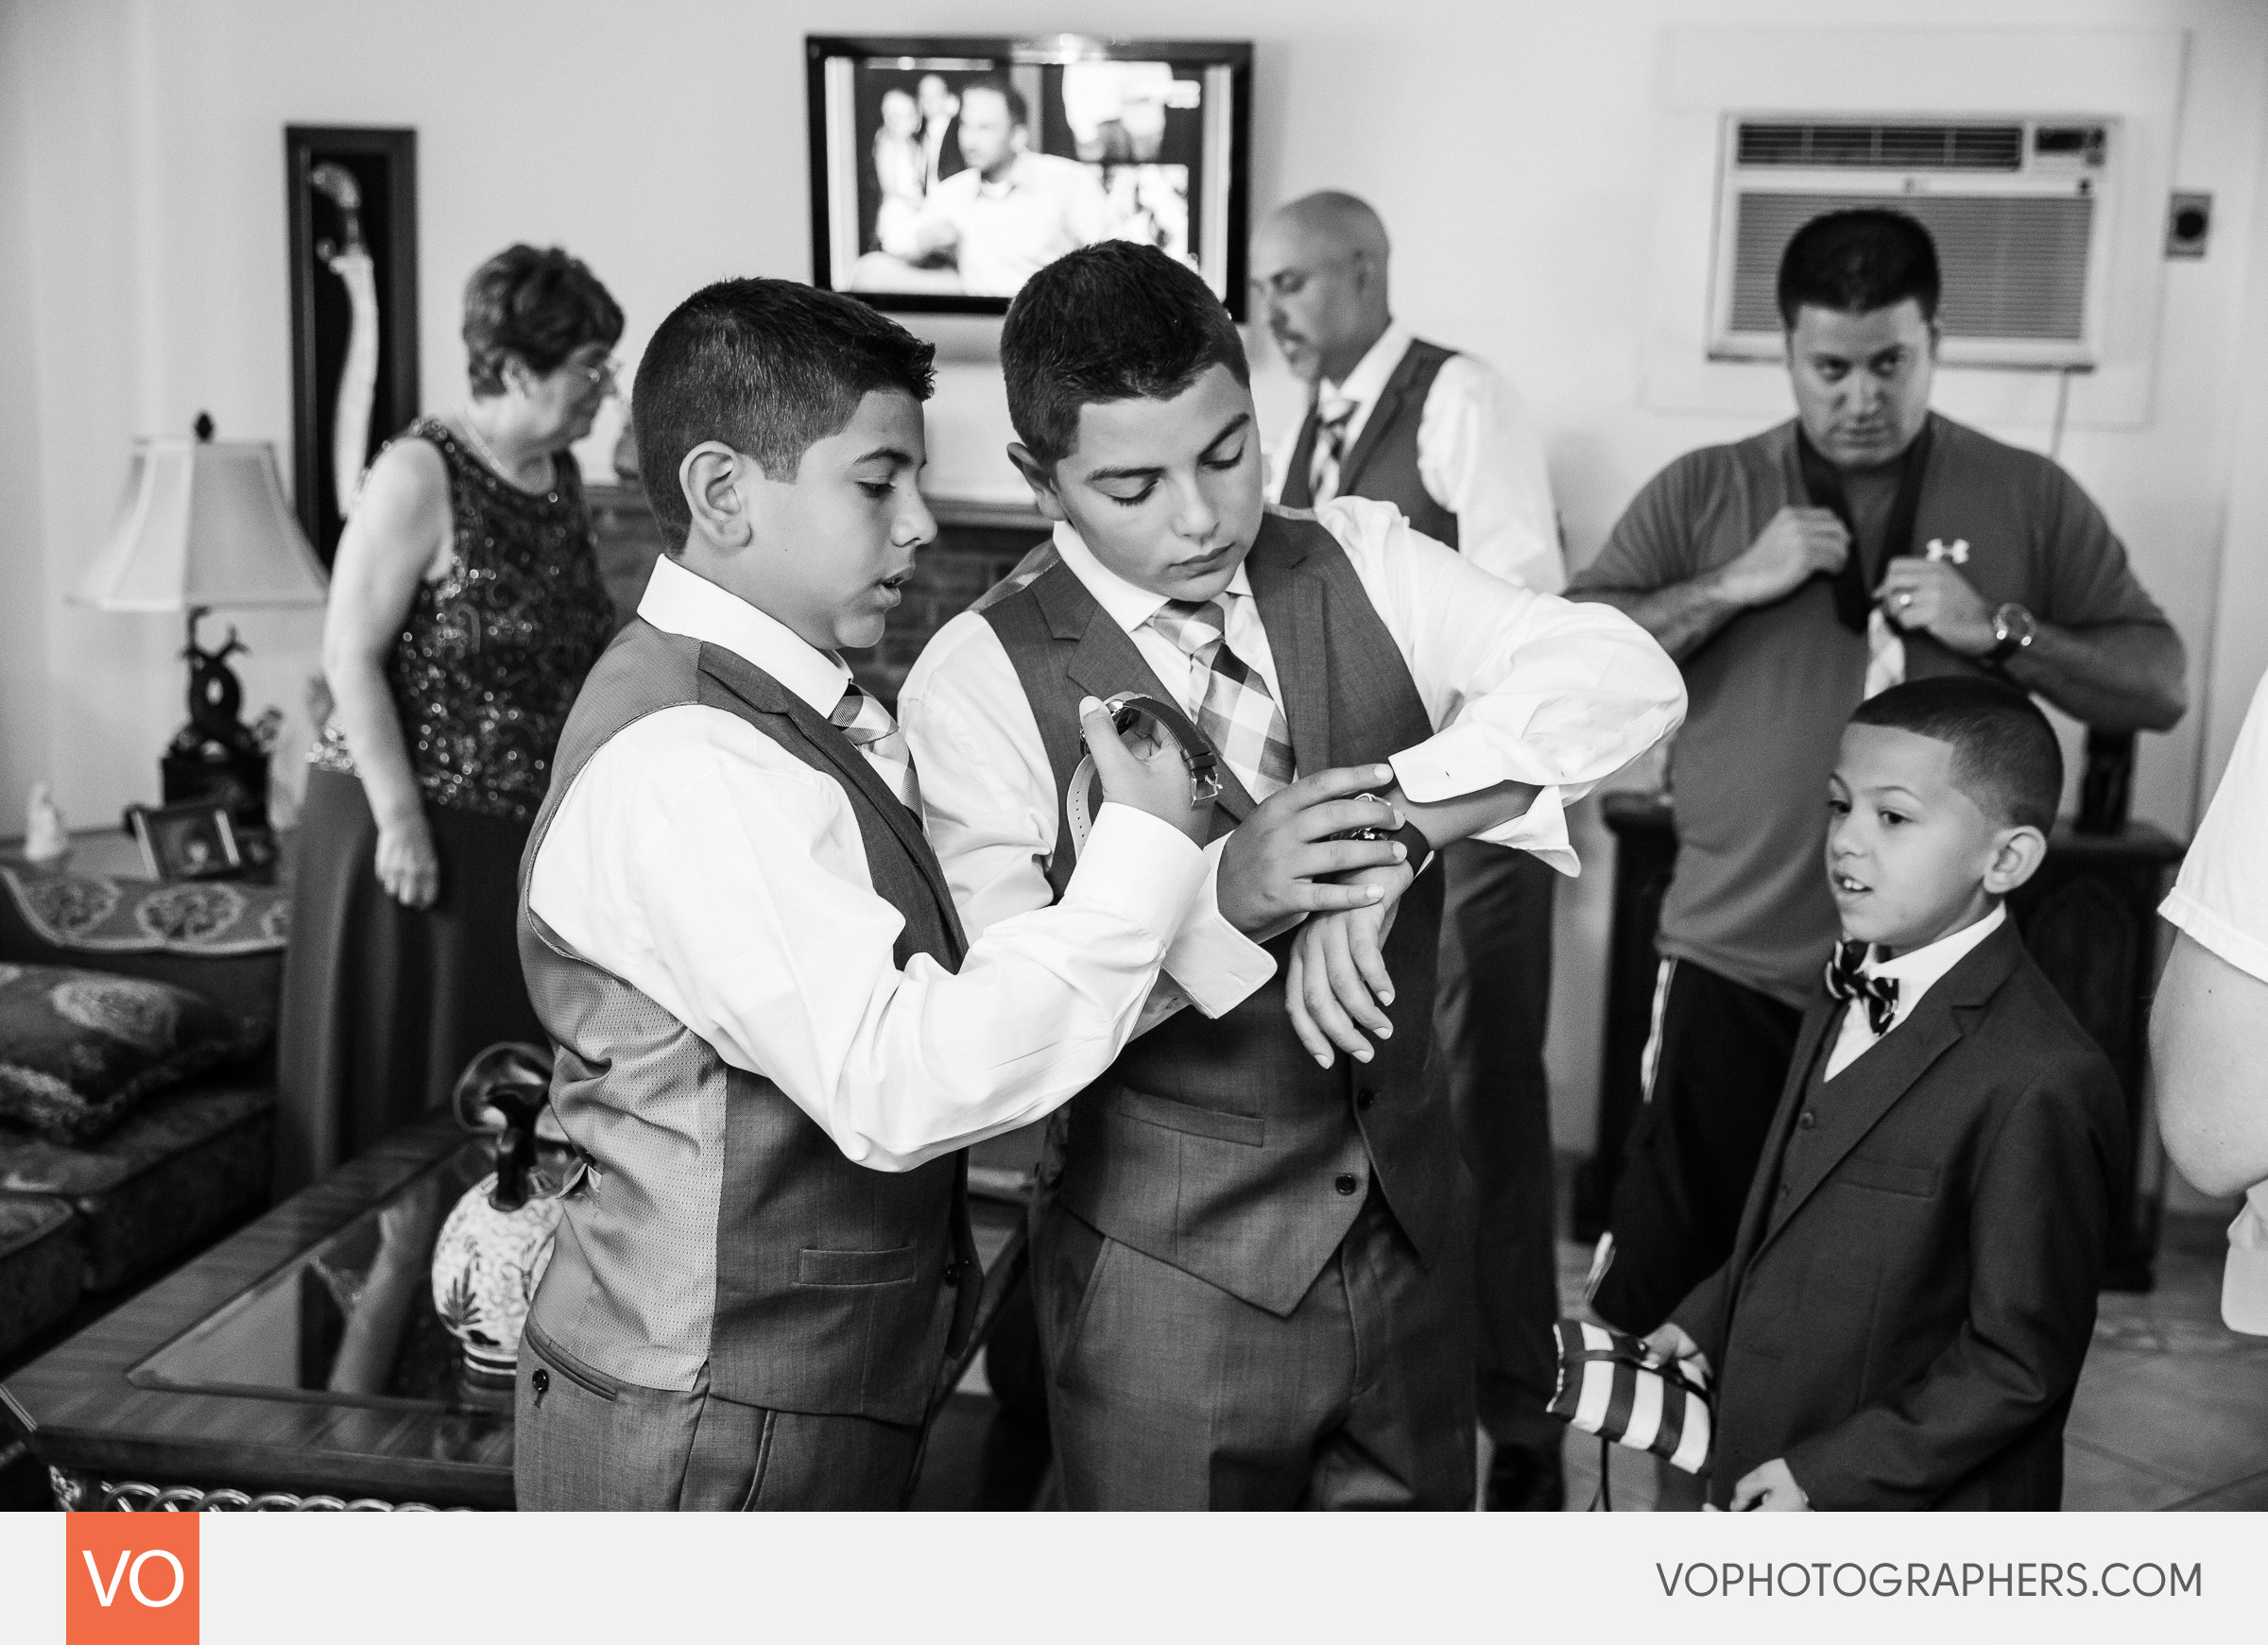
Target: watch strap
(1084, 797)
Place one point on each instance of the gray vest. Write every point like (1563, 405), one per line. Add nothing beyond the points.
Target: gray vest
(716, 1224)
(1218, 1145)
(1384, 463)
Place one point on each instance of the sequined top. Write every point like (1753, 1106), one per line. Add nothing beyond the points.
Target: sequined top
(491, 655)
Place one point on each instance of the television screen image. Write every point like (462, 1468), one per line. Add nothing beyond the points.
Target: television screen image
(946, 171)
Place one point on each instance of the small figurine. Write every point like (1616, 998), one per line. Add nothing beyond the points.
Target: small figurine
(46, 832)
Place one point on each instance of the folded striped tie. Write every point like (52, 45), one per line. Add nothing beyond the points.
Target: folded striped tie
(1610, 1387)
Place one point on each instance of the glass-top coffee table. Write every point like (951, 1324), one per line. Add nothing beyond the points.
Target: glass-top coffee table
(300, 1357)
(301, 1363)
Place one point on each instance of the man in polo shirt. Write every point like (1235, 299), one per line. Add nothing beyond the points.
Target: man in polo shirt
(1445, 438)
(1793, 574)
(1012, 212)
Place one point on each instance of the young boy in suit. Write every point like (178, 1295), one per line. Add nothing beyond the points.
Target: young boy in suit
(1912, 1294)
(771, 1035)
(1248, 1270)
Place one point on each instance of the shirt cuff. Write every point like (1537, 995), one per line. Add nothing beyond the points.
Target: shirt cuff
(1465, 758)
(1212, 962)
(1139, 868)
(1540, 832)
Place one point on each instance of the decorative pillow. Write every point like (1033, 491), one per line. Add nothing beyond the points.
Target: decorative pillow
(79, 1049)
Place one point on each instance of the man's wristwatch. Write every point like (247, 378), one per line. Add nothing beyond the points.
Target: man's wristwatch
(2013, 630)
(1413, 838)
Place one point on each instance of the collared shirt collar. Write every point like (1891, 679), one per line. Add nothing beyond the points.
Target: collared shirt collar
(1369, 379)
(679, 601)
(1918, 970)
(1129, 606)
(1018, 174)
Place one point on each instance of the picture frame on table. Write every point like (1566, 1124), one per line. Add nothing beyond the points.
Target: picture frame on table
(351, 213)
(193, 840)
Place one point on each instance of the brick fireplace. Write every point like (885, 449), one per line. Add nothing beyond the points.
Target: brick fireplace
(977, 544)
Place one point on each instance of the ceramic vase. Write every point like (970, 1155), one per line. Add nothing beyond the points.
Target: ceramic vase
(486, 1266)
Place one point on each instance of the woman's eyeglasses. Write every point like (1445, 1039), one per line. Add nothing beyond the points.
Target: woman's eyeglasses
(599, 376)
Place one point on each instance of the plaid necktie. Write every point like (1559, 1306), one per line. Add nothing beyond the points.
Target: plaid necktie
(1846, 980)
(1331, 448)
(1238, 712)
(869, 728)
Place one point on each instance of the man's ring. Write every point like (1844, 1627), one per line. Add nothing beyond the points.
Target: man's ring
(1905, 598)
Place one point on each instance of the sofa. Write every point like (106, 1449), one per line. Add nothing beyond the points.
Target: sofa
(80, 1225)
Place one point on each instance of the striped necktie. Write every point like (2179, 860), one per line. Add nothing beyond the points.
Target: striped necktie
(1238, 712)
(866, 725)
(1331, 448)
(1849, 979)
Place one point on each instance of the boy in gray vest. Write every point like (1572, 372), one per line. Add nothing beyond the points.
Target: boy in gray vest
(772, 1037)
(1249, 1268)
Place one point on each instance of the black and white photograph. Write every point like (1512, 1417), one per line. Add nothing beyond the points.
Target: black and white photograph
(353, 195)
(192, 841)
(947, 171)
(1268, 759)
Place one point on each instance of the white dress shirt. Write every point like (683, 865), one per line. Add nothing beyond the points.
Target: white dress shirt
(1479, 454)
(706, 866)
(1520, 686)
(1004, 232)
(1916, 971)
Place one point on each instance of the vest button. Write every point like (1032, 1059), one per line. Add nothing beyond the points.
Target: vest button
(1363, 1098)
(1347, 1183)
(1807, 1119)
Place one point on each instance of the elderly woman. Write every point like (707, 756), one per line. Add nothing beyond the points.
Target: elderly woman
(466, 607)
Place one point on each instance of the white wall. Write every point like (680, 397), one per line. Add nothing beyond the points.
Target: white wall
(1514, 148)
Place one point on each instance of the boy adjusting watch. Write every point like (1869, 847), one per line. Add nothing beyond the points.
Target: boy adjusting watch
(1277, 1175)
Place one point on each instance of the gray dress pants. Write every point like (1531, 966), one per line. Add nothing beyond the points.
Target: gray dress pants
(1167, 1392)
(585, 1440)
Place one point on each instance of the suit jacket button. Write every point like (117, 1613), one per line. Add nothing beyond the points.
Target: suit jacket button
(1807, 1119)
(1783, 1190)
(1363, 1098)
(1347, 1183)
(952, 1273)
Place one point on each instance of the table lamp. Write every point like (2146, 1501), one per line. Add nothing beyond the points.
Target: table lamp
(204, 524)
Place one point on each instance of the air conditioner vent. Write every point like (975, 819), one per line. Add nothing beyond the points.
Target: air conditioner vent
(2013, 267)
(1882, 147)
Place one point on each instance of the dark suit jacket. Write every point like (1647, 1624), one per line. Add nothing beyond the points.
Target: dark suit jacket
(1913, 1289)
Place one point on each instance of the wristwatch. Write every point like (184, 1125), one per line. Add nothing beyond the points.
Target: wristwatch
(1418, 848)
(2013, 630)
(1128, 710)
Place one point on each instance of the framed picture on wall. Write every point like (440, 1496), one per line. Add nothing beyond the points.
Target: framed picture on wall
(351, 194)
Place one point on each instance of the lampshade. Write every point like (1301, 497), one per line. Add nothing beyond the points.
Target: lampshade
(203, 523)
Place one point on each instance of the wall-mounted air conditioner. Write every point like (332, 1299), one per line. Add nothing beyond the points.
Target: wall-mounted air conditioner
(2019, 206)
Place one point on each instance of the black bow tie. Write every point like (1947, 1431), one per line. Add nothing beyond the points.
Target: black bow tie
(1845, 980)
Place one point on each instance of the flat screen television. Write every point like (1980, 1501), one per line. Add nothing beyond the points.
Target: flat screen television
(947, 169)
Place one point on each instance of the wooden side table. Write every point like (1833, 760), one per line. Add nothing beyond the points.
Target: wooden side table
(2090, 917)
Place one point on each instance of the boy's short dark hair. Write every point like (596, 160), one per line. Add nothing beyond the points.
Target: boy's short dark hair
(1020, 113)
(1859, 260)
(1113, 321)
(768, 366)
(2005, 756)
(535, 306)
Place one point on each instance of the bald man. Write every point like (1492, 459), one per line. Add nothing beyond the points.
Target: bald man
(1443, 437)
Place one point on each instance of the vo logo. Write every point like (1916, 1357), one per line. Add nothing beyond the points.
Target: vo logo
(131, 1579)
